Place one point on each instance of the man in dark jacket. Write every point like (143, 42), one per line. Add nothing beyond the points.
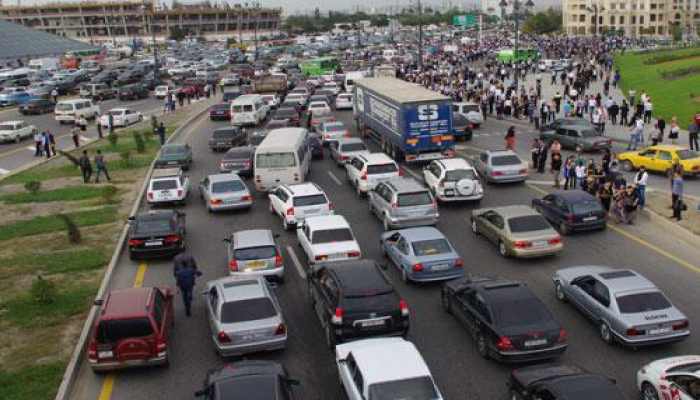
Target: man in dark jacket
(185, 280)
(85, 166)
(182, 261)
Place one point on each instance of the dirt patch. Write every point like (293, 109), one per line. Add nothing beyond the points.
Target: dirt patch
(696, 99)
(680, 73)
(660, 203)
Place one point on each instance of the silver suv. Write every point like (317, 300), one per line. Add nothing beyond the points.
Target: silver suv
(403, 202)
(255, 252)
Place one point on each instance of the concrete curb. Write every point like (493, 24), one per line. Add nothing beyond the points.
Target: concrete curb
(78, 356)
(682, 232)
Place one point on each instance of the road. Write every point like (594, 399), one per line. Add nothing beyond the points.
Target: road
(458, 370)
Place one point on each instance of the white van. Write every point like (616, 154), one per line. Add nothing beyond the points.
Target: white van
(69, 110)
(249, 109)
(389, 54)
(283, 157)
(350, 79)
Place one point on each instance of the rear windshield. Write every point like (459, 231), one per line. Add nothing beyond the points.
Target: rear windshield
(332, 235)
(353, 147)
(334, 128)
(313, 200)
(275, 160)
(459, 174)
(164, 184)
(255, 253)
(414, 199)
(227, 187)
(224, 134)
(431, 247)
(421, 388)
(528, 312)
(247, 310)
(471, 108)
(286, 113)
(527, 223)
(64, 107)
(7, 127)
(237, 155)
(381, 168)
(642, 302)
(115, 330)
(687, 154)
(146, 227)
(506, 160)
(172, 150)
(586, 207)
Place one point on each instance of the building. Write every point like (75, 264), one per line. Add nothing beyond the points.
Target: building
(119, 21)
(19, 42)
(632, 17)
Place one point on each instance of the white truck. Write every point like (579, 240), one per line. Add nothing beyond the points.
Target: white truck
(45, 64)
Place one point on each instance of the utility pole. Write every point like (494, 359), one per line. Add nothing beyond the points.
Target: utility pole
(155, 46)
(420, 37)
(516, 11)
(256, 7)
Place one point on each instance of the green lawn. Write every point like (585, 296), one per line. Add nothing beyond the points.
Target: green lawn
(674, 97)
(26, 312)
(55, 262)
(52, 223)
(68, 193)
(34, 382)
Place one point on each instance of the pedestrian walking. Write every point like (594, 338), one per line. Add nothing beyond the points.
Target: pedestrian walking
(85, 166)
(661, 123)
(677, 195)
(635, 133)
(556, 168)
(624, 112)
(693, 129)
(674, 131)
(510, 138)
(640, 182)
(631, 202)
(54, 95)
(535, 150)
(75, 135)
(580, 172)
(183, 260)
(38, 141)
(101, 165)
(185, 279)
(52, 141)
(605, 195)
(655, 135)
(160, 131)
(46, 143)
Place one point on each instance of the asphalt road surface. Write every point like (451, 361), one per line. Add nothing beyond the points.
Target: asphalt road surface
(449, 352)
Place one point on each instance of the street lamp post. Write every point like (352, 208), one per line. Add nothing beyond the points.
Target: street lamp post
(596, 10)
(256, 6)
(153, 36)
(420, 37)
(516, 13)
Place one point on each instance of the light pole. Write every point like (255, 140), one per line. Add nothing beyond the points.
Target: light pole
(420, 37)
(256, 7)
(516, 13)
(153, 36)
(596, 10)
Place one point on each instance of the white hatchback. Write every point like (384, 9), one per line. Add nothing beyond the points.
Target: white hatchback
(322, 106)
(327, 238)
(168, 185)
(294, 203)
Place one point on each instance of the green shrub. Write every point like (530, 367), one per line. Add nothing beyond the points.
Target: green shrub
(42, 291)
(140, 142)
(108, 193)
(154, 123)
(74, 236)
(113, 139)
(32, 187)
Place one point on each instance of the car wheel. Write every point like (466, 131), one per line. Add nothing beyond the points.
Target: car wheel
(446, 303)
(404, 276)
(359, 191)
(385, 222)
(563, 229)
(331, 339)
(475, 229)
(627, 165)
(481, 346)
(605, 333)
(559, 292)
(649, 392)
(502, 250)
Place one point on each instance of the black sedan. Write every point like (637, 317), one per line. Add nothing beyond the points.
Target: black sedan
(156, 233)
(133, 92)
(462, 127)
(37, 106)
(572, 210)
(239, 160)
(268, 380)
(551, 381)
(567, 122)
(288, 113)
(220, 112)
(507, 321)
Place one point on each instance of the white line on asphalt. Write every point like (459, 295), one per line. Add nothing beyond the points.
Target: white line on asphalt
(85, 138)
(30, 148)
(413, 174)
(4, 171)
(485, 134)
(335, 178)
(296, 262)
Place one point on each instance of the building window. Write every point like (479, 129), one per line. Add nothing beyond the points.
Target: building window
(652, 17)
(581, 18)
(622, 19)
(641, 20)
(634, 19)
(612, 20)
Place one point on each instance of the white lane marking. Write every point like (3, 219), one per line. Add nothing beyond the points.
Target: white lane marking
(485, 134)
(335, 178)
(31, 148)
(4, 171)
(85, 138)
(296, 262)
(413, 174)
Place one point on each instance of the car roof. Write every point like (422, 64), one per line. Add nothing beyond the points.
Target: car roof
(421, 233)
(387, 359)
(495, 153)
(326, 221)
(499, 291)
(360, 278)
(574, 196)
(405, 185)
(253, 238)
(375, 158)
(667, 147)
(454, 163)
(236, 288)
(224, 177)
(303, 189)
(623, 280)
(154, 215)
(127, 302)
(513, 211)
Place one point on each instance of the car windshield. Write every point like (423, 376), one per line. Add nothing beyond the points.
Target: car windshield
(527, 223)
(64, 107)
(586, 207)
(421, 388)
(263, 386)
(7, 127)
(164, 184)
(642, 302)
(414, 199)
(506, 160)
(431, 247)
(247, 310)
(115, 113)
(459, 174)
(334, 128)
(332, 235)
(172, 150)
(312, 200)
(588, 387)
(353, 147)
(521, 313)
(381, 168)
(255, 253)
(687, 154)
(275, 160)
(152, 226)
(112, 331)
(227, 187)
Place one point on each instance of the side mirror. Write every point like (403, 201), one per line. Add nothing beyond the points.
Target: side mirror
(227, 240)
(98, 302)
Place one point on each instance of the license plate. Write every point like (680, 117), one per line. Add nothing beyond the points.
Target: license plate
(510, 172)
(538, 342)
(253, 336)
(440, 267)
(312, 211)
(449, 192)
(172, 162)
(220, 143)
(256, 265)
(539, 243)
(105, 354)
(659, 331)
(336, 256)
(590, 218)
(152, 243)
(373, 323)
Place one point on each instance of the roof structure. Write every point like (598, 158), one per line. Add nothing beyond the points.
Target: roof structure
(19, 41)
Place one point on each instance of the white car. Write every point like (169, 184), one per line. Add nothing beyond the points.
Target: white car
(384, 368)
(293, 203)
(314, 80)
(168, 185)
(364, 171)
(14, 131)
(319, 105)
(344, 101)
(675, 378)
(331, 87)
(453, 179)
(333, 130)
(272, 100)
(231, 79)
(327, 238)
(300, 98)
(163, 90)
(121, 117)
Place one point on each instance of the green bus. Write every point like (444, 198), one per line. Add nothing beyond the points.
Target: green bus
(524, 53)
(320, 66)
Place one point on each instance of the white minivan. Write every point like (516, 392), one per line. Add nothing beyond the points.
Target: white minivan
(249, 109)
(69, 110)
(283, 157)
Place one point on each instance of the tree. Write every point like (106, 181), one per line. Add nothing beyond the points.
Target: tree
(549, 21)
(177, 34)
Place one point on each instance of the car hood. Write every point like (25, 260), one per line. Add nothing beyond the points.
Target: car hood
(528, 375)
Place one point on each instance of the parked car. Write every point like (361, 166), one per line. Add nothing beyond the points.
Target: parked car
(13, 96)
(499, 166)
(121, 117)
(156, 233)
(505, 319)
(168, 185)
(660, 158)
(238, 160)
(403, 202)
(267, 379)
(97, 91)
(293, 203)
(453, 179)
(15, 131)
(132, 329)
(670, 378)
(342, 150)
(224, 192)
(577, 137)
(518, 231)
(626, 307)
(572, 210)
(552, 381)
(244, 316)
(354, 299)
(133, 92)
(37, 106)
(255, 252)
(174, 155)
(365, 171)
(220, 112)
(327, 238)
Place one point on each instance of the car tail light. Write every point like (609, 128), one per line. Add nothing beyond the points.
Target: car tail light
(337, 318)
(247, 198)
(353, 254)
(171, 239)
(497, 173)
(179, 192)
(344, 158)
(504, 344)
(150, 195)
(223, 337)
(363, 176)
(321, 258)
(296, 177)
(556, 240)
(278, 260)
(635, 332)
(281, 330)
(681, 325)
(290, 211)
(562, 336)
(570, 217)
(417, 267)
(327, 136)
(403, 306)
(459, 262)
(135, 242)
(233, 265)
(92, 351)
(161, 347)
(524, 171)
(347, 134)
(215, 202)
(331, 206)
(394, 206)
(521, 244)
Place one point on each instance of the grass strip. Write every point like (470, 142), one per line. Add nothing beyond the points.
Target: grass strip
(56, 262)
(33, 382)
(69, 193)
(26, 312)
(51, 223)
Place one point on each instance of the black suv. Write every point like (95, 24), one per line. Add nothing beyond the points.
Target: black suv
(268, 380)
(507, 320)
(354, 299)
(156, 233)
(551, 381)
(133, 92)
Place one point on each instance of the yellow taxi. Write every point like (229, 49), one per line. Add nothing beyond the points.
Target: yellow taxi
(661, 157)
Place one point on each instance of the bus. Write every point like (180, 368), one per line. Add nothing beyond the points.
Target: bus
(524, 53)
(320, 66)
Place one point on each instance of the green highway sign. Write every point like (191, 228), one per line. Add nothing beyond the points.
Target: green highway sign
(464, 20)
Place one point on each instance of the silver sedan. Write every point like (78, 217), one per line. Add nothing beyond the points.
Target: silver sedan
(343, 150)
(224, 192)
(498, 166)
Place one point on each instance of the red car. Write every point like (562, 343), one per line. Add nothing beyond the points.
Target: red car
(132, 330)
(193, 87)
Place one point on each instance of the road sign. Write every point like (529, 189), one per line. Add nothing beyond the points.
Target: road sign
(464, 20)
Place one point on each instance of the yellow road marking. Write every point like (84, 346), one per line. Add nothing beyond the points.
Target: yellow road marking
(140, 275)
(639, 240)
(107, 387)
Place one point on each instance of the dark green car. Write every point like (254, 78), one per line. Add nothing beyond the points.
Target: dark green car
(174, 155)
(573, 136)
